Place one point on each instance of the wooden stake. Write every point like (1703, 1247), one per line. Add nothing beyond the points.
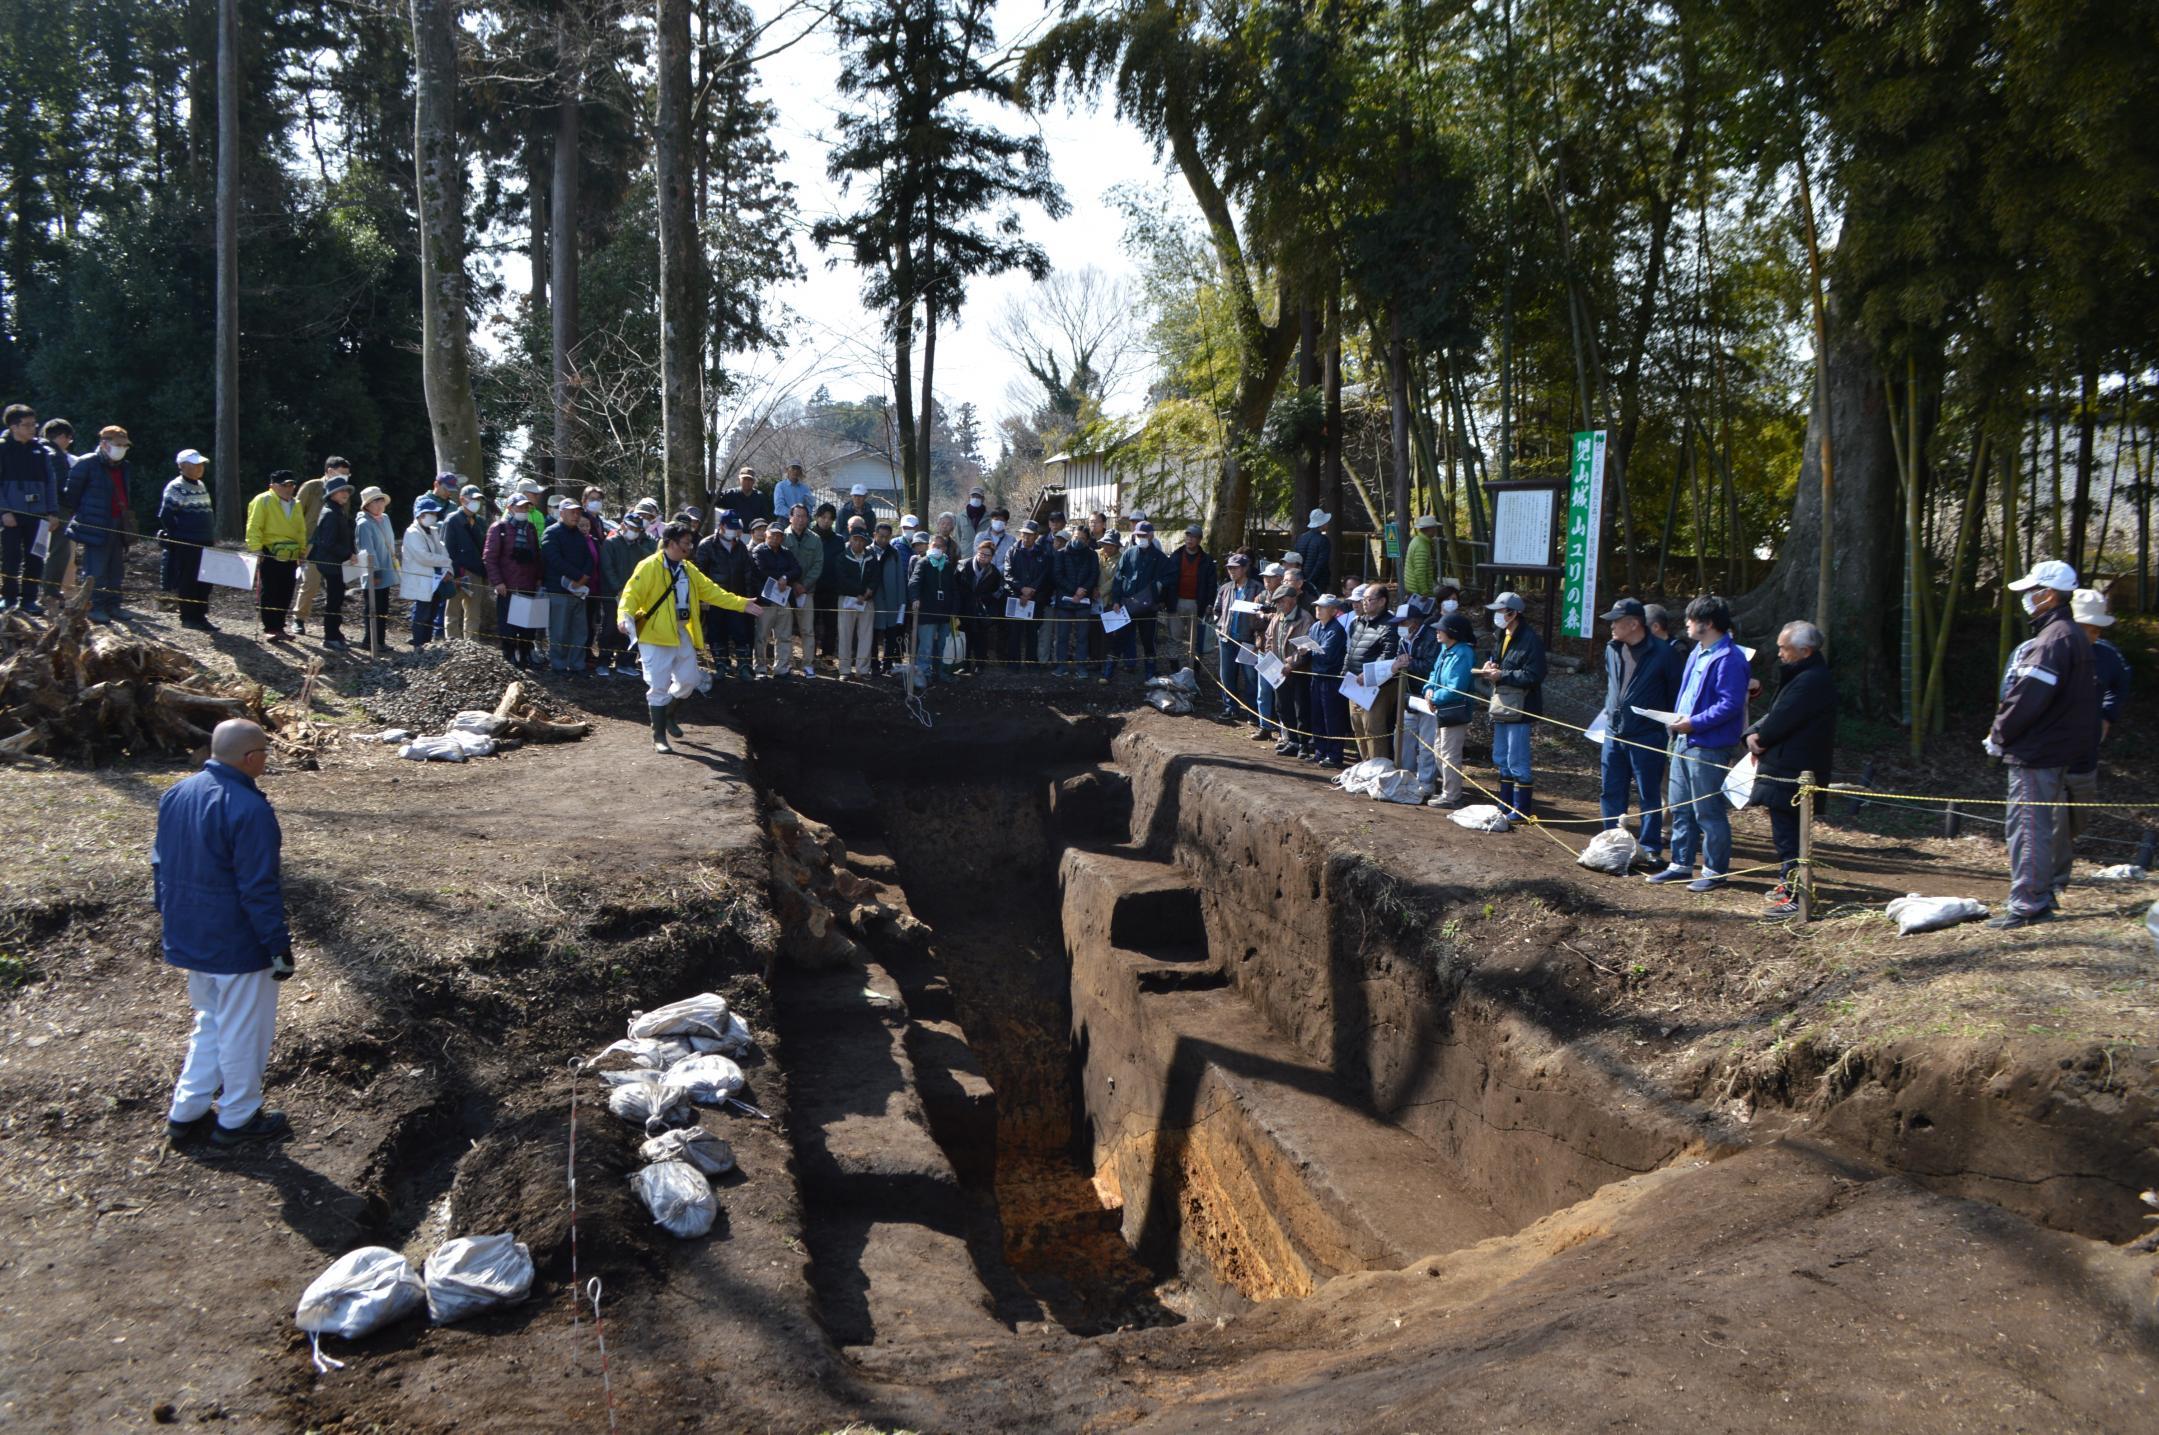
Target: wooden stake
(1803, 890)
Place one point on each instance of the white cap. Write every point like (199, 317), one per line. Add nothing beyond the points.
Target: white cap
(1272, 570)
(858, 491)
(908, 520)
(2051, 573)
(1318, 518)
(2089, 605)
(187, 456)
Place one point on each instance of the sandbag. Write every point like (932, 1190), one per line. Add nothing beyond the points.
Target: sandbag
(679, 1197)
(474, 1273)
(2119, 872)
(702, 1015)
(1610, 851)
(478, 720)
(1483, 817)
(361, 1292)
(694, 1144)
(647, 1099)
(1169, 700)
(1914, 913)
(737, 1041)
(707, 1080)
(453, 746)
(643, 1053)
(1361, 778)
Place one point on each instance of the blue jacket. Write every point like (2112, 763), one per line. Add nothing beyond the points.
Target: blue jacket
(1318, 553)
(1451, 690)
(1713, 694)
(1072, 568)
(214, 872)
(1655, 685)
(1030, 568)
(465, 535)
(891, 585)
(1327, 658)
(565, 557)
(26, 477)
(183, 512)
(1141, 572)
(94, 509)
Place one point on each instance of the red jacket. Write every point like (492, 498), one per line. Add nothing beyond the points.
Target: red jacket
(520, 571)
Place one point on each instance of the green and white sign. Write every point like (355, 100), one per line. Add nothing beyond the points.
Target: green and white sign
(1585, 522)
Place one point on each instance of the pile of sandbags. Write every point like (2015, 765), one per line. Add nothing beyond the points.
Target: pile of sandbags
(367, 1289)
(675, 1059)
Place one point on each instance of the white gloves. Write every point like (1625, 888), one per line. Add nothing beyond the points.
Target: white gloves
(1994, 749)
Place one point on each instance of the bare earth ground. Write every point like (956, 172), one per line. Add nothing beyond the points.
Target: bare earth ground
(466, 930)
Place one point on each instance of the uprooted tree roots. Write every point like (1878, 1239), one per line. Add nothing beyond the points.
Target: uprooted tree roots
(77, 692)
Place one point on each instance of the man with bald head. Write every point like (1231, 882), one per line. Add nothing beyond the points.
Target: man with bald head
(214, 869)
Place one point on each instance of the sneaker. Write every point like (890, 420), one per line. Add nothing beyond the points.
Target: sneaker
(1451, 803)
(1260, 735)
(2011, 921)
(1285, 749)
(1782, 911)
(265, 1125)
(1673, 873)
(1707, 882)
(336, 645)
(1778, 895)
(180, 1133)
(1103, 679)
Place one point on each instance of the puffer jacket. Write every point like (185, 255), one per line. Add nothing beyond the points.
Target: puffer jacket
(26, 477)
(512, 555)
(1371, 640)
(1026, 567)
(2049, 712)
(97, 503)
(1317, 550)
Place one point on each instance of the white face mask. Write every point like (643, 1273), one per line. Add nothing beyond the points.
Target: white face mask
(1448, 605)
(116, 451)
(593, 507)
(997, 525)
(1504, 618)
(472, 505)
(2031, 603)
(427, 520)
(1143, 542)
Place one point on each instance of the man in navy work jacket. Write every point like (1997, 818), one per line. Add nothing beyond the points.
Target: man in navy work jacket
(214, 869)
(1640, 671)
(2047, 722)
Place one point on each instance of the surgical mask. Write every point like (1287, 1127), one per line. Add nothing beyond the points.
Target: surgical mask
(593, 507)
(937, 560)
(1448, 605)
(116, 451)
(472, 505)
(1504, 618)
(1143, 542)
(2031, 603)
(427, 520)
(997, 525)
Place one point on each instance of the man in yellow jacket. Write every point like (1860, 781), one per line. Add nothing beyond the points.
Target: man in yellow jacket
(661, 605)
(277, 529)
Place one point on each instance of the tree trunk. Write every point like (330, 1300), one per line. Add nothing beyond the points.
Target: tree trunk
(2081, 511)
(1859, 625)
(926, 429)
(562, 253)
(539, 159)
(1304, 478)
(1331, 384)
(1823, 436)
(231, 492)
(912, 482)
(439, 173)
(1398, 433)
(682, 411)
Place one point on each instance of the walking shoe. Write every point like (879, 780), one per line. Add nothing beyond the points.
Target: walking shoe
(179, 1133)
(1780, 893)
(1333, 762)
(30, 606)
(1781, 912)
(1285, 749)
(2011, 921)
(1673, 873)
(1451, 803)
(264, 1125)
(1103, 679)
(336, 645)
(1260, 735)
(1707, 882)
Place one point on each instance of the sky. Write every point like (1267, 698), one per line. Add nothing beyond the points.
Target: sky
(1090, 152)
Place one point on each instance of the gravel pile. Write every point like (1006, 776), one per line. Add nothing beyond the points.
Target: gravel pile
(423, 690)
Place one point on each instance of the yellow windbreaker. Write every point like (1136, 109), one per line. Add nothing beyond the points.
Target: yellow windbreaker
(648, 588)
(271, 530)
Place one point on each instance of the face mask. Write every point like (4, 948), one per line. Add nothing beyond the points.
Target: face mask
(1448, 605)
(472, 505)
(593, 507)
(937, 560)
(1143, 542)
(116, 451)
(2031, 603)
(997, 525)
(427, 520)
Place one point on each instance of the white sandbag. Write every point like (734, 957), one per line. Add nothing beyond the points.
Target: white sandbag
(1915, 913)
(645, 1053)
(474, 1273)
(1184, 680)
(707, 1080)
(1483, 817)
(361, 1292)
(478, 720)
(737, 1041)
(679, 1197)
(1169, 700)
(1739, 781)
(453, 746)
(1362, 778)
(1610, 851)
(2119, 872)
(694, 1144)
(393, 736)
(647, 1099)
(702, 1015)
(1401, 785)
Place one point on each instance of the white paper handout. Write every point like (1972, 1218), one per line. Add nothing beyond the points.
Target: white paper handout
(1598, 730)
(528, 610)
(41, 546)
(1304, 644)
(418, 584)
(1747, 653)
(1662, 718)
(1421, 704)
(852, 605)
(355, 572)
(1246, 605)
(1014, 608)
(1357, 695)
(1113, 619)
(1376, 675)
(1271, 668)
(775, 592)
(1248, 656)
(1739, 782)
(227, 569)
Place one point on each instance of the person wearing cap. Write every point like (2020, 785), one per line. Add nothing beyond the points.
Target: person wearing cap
(1027, 579)
(1640, 671)
(2080, 782)
(972, 521)
(1234, 678)
(1416, 654)
(856, 576)
(791, 490)
(777, 569)
(620, 552)
(29, 498)
(100, 521)
(277, 535)
(1373, 637)
(216, 880)
(729, 635)
(1190, 597)
(1451, 690)
(333, 542)
(379, 543)
(2046, 723)
(470, 606)
(568, 568)
(1420, 561)
(1136, 587)
(750, 502)
(1712, 709)
(1797, 735)
(1292, 712)
(186, 526)
(858, 505)
(1328, 712)
(797, 625)
(1263, 693)
(444, 491)
(661, 608)
(427, 552)
(311, 501)
(1316, 549)
(889, 621)
(1516, 673)
(825, 591)
(1075, 587)
(514, 568)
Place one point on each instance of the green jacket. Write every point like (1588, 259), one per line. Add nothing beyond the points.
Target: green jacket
(809, 550)
(1420, 567)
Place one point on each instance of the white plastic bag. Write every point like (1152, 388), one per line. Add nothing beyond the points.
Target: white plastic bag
(1362, 778)
(1915, 913)
(737, 1041)
(707, 1080)
(361, 1292)
(647, 1099)
(474, 1273)
(1169, 700)
(453, 746)
(2119, 872)
(694, 1144)
(1483, 817)
(1610, 851)
(679, 1197)
(702, 1015)
(644, 1053)
(477, 720)
(1400, 784)
(1739, 782)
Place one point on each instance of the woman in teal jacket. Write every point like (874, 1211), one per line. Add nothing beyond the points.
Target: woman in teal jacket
(1451, 692)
